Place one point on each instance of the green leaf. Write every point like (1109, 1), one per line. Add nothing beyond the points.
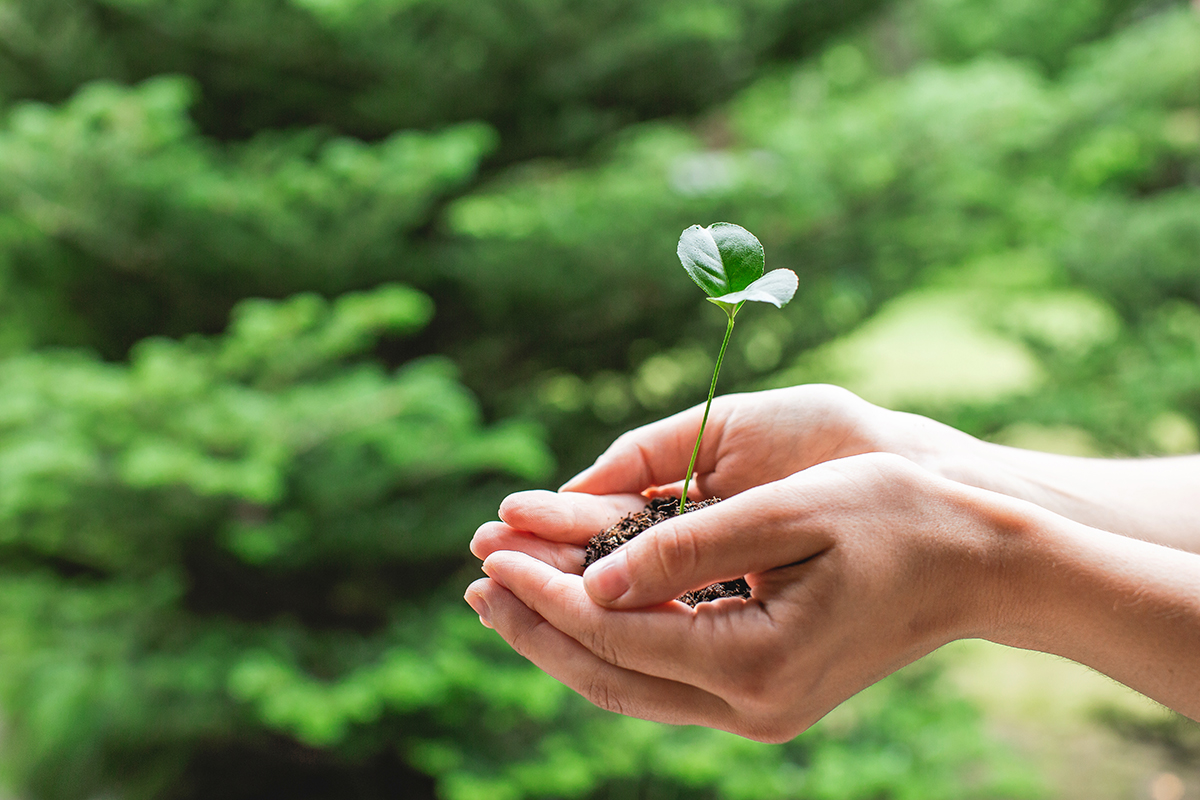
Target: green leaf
(722, 258)
(776, 287)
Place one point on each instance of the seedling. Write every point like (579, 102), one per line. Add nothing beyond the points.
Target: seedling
(726, 261)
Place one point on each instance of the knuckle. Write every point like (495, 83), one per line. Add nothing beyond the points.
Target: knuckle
(523, 640)
(598, 644)
(772, 729)
(887, 462)
(623, 447)
(756, 690)
(600, 692)
(778, 723)
(827, 396)
(877, 471)
(568, 559)
(622, 442)
(756, 679)
(675, 550)
(828, 392)
(629, 451)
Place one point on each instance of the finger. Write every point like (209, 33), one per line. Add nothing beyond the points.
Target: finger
(653, 455)
(495, 536)
(758, 530)
(695, 490)
(699, 647)
(606, 685)
(566, 516)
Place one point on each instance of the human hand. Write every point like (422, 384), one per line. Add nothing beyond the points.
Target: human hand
(759, 437)
(857, 567)
(859, 562)
(751, 439)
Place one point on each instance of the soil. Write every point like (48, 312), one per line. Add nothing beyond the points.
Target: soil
(659, 509)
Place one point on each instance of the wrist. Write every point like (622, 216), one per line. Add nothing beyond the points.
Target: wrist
(1011, 600)
(938, 448)
(992, 597)
(1127, 608)
(956, 456)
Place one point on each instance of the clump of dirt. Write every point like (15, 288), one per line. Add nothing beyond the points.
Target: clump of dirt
(658, 510)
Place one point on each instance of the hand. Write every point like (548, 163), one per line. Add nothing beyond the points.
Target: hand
(857, 566)
(750, 440)
(756, 438)
(859, 562)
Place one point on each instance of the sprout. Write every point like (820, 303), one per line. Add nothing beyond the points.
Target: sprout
(727, 262)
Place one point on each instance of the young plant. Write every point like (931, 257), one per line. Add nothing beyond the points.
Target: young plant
(726, 261)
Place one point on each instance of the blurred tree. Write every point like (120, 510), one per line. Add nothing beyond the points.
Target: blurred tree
(133, 224)
(960, 30)
(176, 528)
(551, 75)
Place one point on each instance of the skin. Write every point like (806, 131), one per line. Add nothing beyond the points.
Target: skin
(869, 539)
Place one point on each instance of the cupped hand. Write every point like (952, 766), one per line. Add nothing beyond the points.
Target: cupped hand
(751, 439)
(857, 567)
(759, 437)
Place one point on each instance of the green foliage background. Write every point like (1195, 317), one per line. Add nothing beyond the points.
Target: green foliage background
(293, 292)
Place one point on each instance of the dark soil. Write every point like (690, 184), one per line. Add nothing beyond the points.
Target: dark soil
(659, 509)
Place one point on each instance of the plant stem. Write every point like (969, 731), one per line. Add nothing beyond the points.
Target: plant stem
(711, 391)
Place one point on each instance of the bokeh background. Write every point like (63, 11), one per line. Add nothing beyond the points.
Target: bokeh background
(292, 292)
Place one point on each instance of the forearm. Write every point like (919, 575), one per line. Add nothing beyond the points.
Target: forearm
(1153, 499)
(1124, 607)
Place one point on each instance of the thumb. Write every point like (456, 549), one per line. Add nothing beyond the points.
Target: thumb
(653, 455)
(755, 531)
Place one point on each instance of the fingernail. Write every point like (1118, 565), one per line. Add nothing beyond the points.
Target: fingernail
(479, 606)
(607, 580)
